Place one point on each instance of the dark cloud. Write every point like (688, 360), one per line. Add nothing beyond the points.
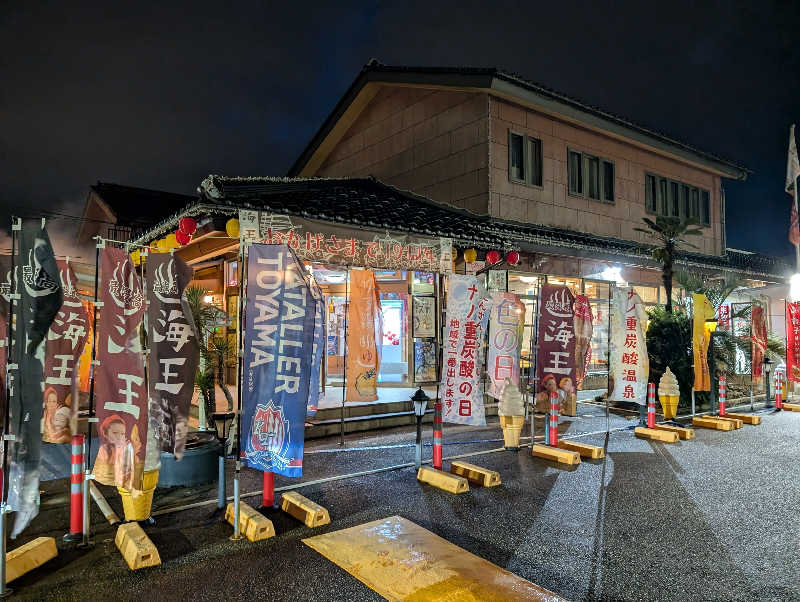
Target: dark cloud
(159, 96)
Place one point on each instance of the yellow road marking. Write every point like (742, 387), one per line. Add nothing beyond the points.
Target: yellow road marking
(402, 561)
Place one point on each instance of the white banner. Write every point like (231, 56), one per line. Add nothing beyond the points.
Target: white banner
(630, 367)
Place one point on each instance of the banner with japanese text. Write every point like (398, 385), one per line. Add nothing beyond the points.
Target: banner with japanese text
(793, 341)
(555, 359)
(174, 351)
(582, 320)
(468, 309)
(120, 391)
(65, 342)
(630, 365)
(364, 337)
(505, 338)
(758, 330)
(314, 240)
(5, 298)
(317, 349)
(39, 287)
(278, 350)
(724, 318)
(702, 310)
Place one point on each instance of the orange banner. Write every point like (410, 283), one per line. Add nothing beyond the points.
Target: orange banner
(364, 336)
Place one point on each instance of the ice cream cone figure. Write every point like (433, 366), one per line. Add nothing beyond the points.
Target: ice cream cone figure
(512, 415)
(668, 394)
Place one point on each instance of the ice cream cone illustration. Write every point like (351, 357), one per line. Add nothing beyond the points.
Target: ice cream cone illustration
(668, 394)
(512, 415)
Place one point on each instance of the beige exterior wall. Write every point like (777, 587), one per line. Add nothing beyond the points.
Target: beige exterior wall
(552, 205)
(432, 142)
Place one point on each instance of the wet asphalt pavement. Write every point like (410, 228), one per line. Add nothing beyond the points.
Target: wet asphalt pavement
(714, 518)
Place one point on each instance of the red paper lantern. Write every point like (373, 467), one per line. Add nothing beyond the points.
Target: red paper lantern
(183, 237)
(187, 225)
(512, 258)
(493, 257)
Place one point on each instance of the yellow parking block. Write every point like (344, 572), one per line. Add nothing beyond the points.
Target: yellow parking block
(712, 423)
(746, 418)
(737, 424)
(400, 560)
(135, 547)
(792, 407)
(659, 435)
(252, 524)
(554, 454)
(584, 449)
(29, 556)
(476, 475)
(682, 432)
(442, 480)
(304, 510)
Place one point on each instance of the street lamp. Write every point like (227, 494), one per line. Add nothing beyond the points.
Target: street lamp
(420, 405)
(767, 370)
(222, 423)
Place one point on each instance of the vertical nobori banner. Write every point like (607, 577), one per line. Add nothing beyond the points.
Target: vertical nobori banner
(468, 309)
(174, 351)
(505, 338)
(702, 310)
(65, 341)
(40, 297)
(278, 349)
(758, 330)
(555, 360)
(793, 341)
(317, 349)
(630, 364)
(364, 336)
(5, 307)
(120, 391)
(582, 321)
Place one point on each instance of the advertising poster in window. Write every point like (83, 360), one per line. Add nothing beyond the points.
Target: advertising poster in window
(630, 366)
(505, 336)
(468, 308)
(424, 361)
(424, 316)
(555, 362)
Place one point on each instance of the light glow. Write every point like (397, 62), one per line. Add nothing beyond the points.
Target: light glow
(794, 287)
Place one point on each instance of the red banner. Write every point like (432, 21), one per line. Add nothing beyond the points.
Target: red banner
(65, 341)
(121, 394)
(759, 336)
(555, 360)
(793, 340)
(724, 318)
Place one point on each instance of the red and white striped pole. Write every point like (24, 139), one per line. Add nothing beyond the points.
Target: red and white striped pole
(778, 391)
(553, 419)
(437, 434)
(76, 490)
(651, 405)
(268, 497)
(723, 394)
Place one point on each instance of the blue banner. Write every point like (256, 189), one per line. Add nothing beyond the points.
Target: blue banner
(278, 345)
(319, 345)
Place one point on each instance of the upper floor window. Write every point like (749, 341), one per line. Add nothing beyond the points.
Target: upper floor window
(524, 159)
(590, 176)
(675, 199)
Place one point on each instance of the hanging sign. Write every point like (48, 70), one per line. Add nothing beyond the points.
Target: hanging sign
(364, 332)
(793, 340)
(555, 360)
(278, 350)
(40, 297)
(329, 243)
(65, 342)
(702, 311)
(174, 351)
(630, 366)
(759, 337)
(505, 339)
(120, 391)
(468, 309)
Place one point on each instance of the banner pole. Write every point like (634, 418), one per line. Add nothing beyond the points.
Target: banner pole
(16, 224)
(87, 473)
(344, 362)
(242, 291)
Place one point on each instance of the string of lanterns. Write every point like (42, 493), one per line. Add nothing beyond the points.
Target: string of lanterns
(492, 257)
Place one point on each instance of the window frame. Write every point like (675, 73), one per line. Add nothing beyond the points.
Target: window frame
(689, 206)
(583, 193)
(527, 160)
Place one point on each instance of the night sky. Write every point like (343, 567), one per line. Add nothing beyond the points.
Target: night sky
(159, 97)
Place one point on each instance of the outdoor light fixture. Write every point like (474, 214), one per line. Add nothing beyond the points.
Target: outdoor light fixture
(794, 287)
(222, 424)
(612, 273)
(208, 299)
(767, 370)
(420, 400)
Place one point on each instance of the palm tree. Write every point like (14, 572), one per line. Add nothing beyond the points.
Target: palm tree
(669, 233)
